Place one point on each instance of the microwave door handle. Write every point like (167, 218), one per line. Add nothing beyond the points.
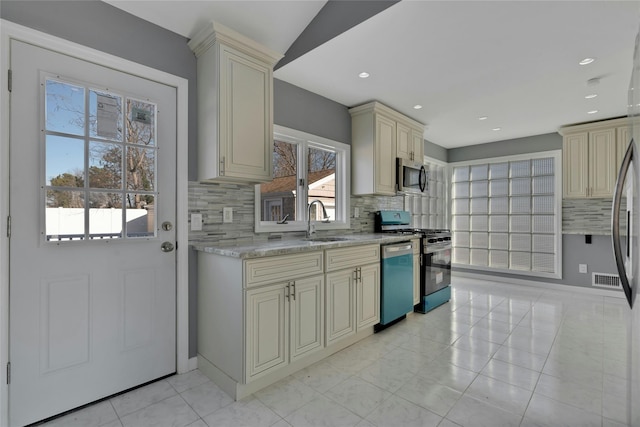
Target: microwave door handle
(615, 222)
(422, 179)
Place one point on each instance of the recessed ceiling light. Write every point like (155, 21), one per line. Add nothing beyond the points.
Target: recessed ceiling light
(483, 118)
(591, 96)
(363, 75)
(496, 129)
(586, 61)
(592, 112)
(417, 106)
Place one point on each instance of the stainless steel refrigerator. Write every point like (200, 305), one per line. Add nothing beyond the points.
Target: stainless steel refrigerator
(625, 229)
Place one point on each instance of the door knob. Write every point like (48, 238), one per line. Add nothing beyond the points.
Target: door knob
(166, 247)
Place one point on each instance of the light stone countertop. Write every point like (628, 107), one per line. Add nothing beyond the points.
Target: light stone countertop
(284, 247)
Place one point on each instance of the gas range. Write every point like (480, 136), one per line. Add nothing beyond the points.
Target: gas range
(398, 222)
(435, 256)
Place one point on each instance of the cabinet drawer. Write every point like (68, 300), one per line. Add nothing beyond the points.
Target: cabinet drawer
(338, 259)
(262, 271)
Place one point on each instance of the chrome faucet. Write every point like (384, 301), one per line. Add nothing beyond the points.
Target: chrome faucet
(325, 217)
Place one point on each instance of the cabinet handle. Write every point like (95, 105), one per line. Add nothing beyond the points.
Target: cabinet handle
(293, 292)
(222, 166)
(355, 275)
(288, 290)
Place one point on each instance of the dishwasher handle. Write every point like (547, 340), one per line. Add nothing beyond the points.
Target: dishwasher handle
(390, 251)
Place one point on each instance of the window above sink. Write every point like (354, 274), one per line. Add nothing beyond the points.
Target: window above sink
(305, 167)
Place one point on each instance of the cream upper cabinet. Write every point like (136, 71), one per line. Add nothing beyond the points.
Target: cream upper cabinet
(409, 142)
(379, 136)
(591, 158)
(623, 137)
(418, 144)
(602, 163)
(575, 160)
(235, 106)
(404, 142)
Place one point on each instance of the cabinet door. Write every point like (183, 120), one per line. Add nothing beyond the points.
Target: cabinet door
(575, 165)
(385, 158)
(368, 296)
(602, 163)
(623, 138)
(306, 316)
(404, 142)
(340, 307)
(267, 317)
(418, 145)
(416, 279)
(245, 126)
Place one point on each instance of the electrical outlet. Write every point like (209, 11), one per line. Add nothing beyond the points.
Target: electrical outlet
(356, 212)
(582, 268)
(227, 214)
(196, 222)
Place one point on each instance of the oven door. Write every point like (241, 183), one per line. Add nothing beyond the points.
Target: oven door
(436, 271)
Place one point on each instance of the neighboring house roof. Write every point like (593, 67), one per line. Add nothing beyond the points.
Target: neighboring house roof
(289, 183)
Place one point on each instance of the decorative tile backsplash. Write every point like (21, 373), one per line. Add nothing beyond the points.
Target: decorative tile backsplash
(587, 216)
(208, 199)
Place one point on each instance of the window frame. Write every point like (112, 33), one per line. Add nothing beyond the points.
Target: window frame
(557, 157)
(305, 141)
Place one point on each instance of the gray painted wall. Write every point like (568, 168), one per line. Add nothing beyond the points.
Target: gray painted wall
(509, 147)
(435, 151)
(302, 110)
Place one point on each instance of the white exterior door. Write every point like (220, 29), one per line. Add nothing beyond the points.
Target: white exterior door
(92, 182)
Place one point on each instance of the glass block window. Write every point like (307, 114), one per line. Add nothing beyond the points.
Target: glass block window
(505, 214)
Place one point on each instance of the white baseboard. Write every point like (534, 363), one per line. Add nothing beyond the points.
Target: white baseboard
(536, 284)
(193, 364)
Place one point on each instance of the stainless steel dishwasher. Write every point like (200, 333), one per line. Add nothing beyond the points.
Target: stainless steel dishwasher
(396, 284)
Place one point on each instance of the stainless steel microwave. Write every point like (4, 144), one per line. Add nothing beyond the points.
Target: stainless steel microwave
(412, 176)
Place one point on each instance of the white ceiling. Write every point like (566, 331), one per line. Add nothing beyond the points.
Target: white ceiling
(515, 62)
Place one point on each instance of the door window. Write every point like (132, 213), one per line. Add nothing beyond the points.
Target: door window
(100, 163)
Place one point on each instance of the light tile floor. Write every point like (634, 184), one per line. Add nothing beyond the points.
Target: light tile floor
(496, 355)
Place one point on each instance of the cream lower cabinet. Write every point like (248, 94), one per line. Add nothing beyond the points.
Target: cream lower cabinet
(284, 322)
(353, 290)
(261, 319)
(368, 296)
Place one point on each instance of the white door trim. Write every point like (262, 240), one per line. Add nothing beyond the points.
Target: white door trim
(9, 31)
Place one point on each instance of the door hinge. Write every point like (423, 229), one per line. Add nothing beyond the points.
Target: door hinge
(8, 372)
(301, 182)
(9, 226)
(10, 78)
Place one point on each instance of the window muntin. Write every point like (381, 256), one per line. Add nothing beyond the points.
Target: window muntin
(100, 157)
(506, 214)
(306, 168)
